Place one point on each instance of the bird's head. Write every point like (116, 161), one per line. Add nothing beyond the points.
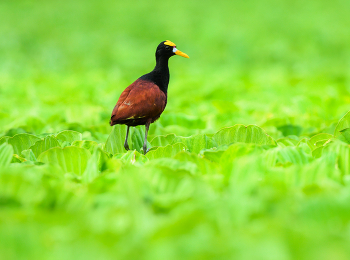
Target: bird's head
(168, 49)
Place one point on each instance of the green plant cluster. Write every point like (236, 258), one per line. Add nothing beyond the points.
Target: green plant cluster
(201, 196)
(250, 159)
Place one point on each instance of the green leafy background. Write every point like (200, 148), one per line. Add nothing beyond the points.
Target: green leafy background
(250, 160)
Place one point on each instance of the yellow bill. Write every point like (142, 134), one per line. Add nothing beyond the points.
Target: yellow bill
(180, 53)
(176, 51)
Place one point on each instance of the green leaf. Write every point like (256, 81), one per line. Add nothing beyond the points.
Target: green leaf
(303, 141)
(169, 182)
(342, 152)
(15, 131)
(133, 157)
(322, 142)
(6, 153)
(69, 136)
(344, 135)
(29, 155)
(243, 134)
(174, 165)
(4, 139)
(290, 130)
(318, 140)
(93, 168)
(286, 156)
(43, 145)
(343, 123)
(294, 155)
(115, 141)
(286, 141)
(204, 166)
(89, 145)
(196, 143)
(166, 151)
(270, 157)
(214, 155)
(136, 138)
(238, 150)
(17, 159)
(163, 140)
(317, 153)
(303, 144)
(22, 142)
(69, 159)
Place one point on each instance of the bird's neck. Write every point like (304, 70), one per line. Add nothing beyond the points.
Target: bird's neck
(160, 74)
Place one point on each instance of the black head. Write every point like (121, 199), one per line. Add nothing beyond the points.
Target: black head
(167, 49)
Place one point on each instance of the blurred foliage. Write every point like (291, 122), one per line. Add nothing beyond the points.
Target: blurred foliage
(250, 160)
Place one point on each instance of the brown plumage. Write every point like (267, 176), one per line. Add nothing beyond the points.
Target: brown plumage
(138, 103)
(144, 100)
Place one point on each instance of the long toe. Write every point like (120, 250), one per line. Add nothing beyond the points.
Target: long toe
(145, 150)
(126, 147)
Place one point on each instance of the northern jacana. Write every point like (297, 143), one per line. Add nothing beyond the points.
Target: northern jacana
(143, 101)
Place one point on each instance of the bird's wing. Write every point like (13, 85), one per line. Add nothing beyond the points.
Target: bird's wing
(141, 99)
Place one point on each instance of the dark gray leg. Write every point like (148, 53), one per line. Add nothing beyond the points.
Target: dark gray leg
(126, 146)
(146, 133)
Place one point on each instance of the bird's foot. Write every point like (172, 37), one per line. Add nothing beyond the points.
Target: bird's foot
(145, 150)
(126, 146)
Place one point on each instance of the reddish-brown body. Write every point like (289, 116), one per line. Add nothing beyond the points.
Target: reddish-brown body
(144, 101)
(141, 102)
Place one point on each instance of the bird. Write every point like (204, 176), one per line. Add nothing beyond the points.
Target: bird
(142, 102)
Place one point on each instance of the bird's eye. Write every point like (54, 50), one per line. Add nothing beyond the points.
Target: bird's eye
(167, 47)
